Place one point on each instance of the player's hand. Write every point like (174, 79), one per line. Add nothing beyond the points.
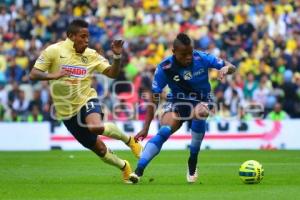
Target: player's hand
(61, 73)
(222, 73)
(141, 135)
(117, 46)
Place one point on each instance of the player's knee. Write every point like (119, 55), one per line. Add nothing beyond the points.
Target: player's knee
(102, 152)
(96, 129)
(201, 112)
(100, 149)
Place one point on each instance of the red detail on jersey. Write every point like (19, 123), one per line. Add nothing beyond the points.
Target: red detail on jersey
(167, 66)
(76, 71)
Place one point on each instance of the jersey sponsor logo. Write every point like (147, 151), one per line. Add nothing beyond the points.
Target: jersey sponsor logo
(75, 71)
(187, 75)
(199, 72)
(176, 78)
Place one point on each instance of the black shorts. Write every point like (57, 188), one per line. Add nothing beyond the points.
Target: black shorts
(77, 125)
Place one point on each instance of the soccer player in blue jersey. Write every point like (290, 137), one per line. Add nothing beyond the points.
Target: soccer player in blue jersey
(186, 74)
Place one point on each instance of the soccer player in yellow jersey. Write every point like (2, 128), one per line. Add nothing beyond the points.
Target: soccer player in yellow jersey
(69, 65)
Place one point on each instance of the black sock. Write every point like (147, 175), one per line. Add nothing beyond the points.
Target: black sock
(128, 141)
(139, 171)
(192, 162)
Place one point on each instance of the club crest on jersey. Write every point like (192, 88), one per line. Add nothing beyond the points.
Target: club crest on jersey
(84, 59)
(75, 71)
(187, 75)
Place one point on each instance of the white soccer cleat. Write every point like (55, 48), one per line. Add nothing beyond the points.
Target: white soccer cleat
(191, 178)
(134, 178)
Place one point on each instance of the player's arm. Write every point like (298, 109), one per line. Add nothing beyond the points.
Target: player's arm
(158, 84)
(223, 66)
(114, 70)
(226, 70)
(37, 74)
(42, 65)
(150, 111)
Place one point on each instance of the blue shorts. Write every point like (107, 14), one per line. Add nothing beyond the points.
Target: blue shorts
(184, 107)
(77, 125)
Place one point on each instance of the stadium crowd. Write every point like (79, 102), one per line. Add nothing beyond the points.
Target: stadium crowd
(262, 38)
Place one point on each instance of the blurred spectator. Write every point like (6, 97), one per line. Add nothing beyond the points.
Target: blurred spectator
(20, 104)
(21, 59)
(97, 86)
(250, 86)
(234, 98)
(3, 63)
(2, 112)
(261, 93)
(3, 95)
(277, 114)
(45, 93)
(13, 93)
(15, 117)
(289, 88)
(36, 101)
(14, 72)
(232, 40)
(35, 115)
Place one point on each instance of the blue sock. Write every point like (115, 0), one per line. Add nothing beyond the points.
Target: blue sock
(198, 131)
(152, 148)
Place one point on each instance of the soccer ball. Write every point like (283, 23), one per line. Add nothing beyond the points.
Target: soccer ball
(251, 172)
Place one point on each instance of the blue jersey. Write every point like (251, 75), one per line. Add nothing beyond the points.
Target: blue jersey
(196, 75)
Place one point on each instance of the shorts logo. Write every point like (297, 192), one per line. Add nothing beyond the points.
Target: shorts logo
(75, 71)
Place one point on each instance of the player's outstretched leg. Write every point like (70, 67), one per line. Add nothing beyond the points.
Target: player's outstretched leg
(108, 157)
(152, 148)
(112, 131)
(198, 131)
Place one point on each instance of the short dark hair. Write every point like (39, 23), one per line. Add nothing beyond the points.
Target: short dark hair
(76, 25)
(182, 39)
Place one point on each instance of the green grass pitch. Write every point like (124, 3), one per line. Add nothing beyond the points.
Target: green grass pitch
(81, 175)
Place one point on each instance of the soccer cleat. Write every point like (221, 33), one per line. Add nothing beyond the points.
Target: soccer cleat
(135, 147)
(126, 172)
(191, 178)
(134, 178)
